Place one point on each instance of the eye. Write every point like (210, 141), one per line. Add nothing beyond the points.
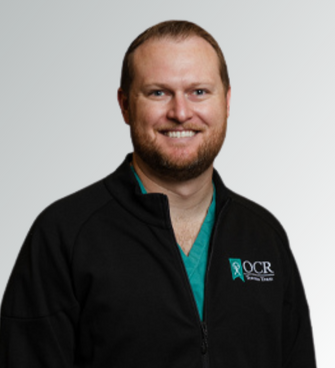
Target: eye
(199, 92)
(157, 93)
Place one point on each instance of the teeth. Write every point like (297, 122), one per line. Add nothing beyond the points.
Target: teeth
(180, 134)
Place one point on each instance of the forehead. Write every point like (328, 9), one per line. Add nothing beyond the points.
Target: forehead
(169, 57)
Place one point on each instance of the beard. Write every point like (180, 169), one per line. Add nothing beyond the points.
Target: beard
(177, 167)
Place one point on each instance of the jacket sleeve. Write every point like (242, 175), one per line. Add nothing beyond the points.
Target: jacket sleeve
(39, 311)
(297, 337)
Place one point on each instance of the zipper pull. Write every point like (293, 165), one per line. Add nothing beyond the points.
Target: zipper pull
(204, 345)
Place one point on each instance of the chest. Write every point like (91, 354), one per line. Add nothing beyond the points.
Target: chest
(186, 232)
(133, 277)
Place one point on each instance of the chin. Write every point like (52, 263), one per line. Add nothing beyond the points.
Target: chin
(177, 167)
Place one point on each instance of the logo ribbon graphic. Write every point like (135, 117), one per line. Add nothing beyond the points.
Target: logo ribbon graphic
(236, 268)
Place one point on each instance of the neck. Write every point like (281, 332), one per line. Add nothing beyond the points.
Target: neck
(188, 195)
(188, 200)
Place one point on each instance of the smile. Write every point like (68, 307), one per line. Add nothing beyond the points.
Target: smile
(180, 134)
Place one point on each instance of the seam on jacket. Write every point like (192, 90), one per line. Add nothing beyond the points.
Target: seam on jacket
(262, 217)
(82, 226)
(40, 317)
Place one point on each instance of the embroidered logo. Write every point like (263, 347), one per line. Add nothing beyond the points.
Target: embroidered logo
(236, 268)
(252, 271)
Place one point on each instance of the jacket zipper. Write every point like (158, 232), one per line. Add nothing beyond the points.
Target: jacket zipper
(210, 255)
(205, 359)
(204, 345)
(202, 324)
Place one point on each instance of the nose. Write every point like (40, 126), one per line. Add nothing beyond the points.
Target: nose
(180, 109)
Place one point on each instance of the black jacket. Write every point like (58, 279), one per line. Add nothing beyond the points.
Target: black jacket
(99, 282)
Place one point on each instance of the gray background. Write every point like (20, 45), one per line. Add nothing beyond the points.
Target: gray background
(61, 128)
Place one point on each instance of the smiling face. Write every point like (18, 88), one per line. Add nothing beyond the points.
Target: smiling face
(177, 108)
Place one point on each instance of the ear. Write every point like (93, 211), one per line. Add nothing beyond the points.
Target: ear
(124, 104)
(228, 98)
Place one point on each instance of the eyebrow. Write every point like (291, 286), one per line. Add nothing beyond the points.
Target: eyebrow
(166, 86)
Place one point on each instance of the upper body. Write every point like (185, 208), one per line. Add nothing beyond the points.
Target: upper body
(102, 278)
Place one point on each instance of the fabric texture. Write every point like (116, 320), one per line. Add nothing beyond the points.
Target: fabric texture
(99, 282)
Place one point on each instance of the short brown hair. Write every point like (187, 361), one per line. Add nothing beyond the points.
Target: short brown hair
(174, 29)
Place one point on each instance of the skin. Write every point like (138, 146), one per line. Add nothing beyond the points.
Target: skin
(177, 87)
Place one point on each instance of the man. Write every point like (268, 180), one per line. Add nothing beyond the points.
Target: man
(159, 264)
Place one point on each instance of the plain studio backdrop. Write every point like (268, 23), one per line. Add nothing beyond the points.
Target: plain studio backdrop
(61, 128)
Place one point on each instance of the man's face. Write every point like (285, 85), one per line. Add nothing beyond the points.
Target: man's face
(177, 108)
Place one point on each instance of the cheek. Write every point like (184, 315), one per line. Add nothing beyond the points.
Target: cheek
(214, 115)
(209, 116)
(144, 122)
(150, 116)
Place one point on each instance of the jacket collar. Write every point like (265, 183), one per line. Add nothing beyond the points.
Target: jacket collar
(152, 208)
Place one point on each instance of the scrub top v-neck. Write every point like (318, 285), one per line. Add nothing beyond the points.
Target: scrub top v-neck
(196, 262)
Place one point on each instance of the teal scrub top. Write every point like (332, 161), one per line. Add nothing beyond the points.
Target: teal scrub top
(196, 262)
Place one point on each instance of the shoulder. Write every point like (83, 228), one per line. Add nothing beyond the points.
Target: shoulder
(258, 215)
(246, 213)
(66, 216)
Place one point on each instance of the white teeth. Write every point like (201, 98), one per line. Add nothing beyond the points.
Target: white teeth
(180, 134)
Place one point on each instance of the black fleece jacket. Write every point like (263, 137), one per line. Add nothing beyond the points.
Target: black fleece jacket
(99, 282)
